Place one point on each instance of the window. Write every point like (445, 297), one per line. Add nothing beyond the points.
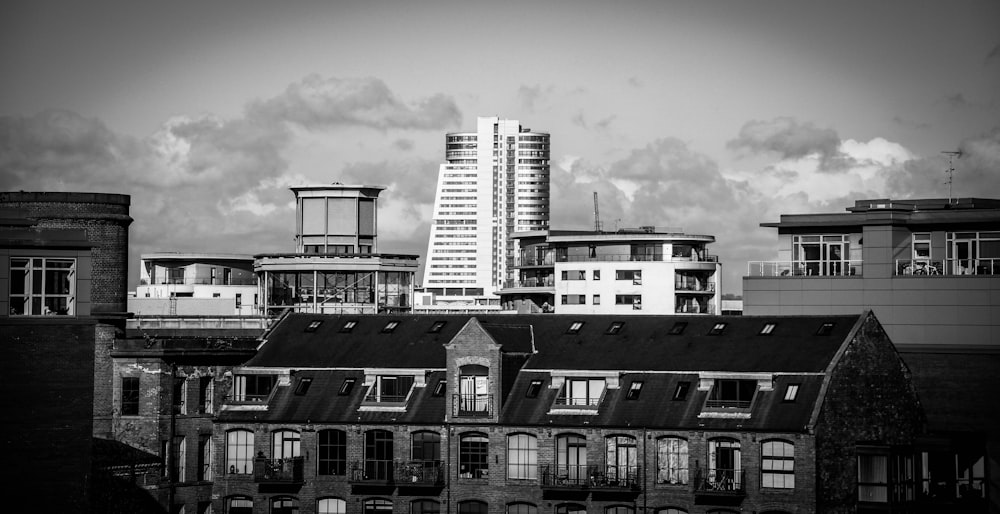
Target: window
(284, 506)
(573, 274)
(671, 510)
(614, 327)
(678, 328)
(574, 328)
(347, 386)
(534, 387)
(377, 506)
(632, 275)
(825, 329)
(205, 457)
(731, 394)
(331, 506)
(303, 386)
(791, 391)
(253, 388)
(130, 396)
(332, 452)
(313, 325)
(571, 459)
(40, 286)
(581, 392)
(767, 329)
(622, 459)
(472, 507)
(570, 508)
(437, 326)
(285, 444)
(717, 329)
(179, 397)
(597, 274)
(349, 326)
(633, 390)
(725, 470)
(521, 508)
(821, 254)
(206, 395)
(239, 452)
(389, 327)
(474, 390)
(873, 477)
(178, 459)
(921, 246)
(635, 300)
(671, 461)
(681, 392)
(425, 507)
(473, 456)
(425, 447)
(239, 505)
(777, 465)
(439, 388)
(573, 299)
(619, 509)
(522, 457)
(389, 389)
(597, 299)
(378, 455)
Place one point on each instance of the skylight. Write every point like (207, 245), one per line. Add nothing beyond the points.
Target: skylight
(717, 329)
(678, 328)
(790, 392)
(346, 387)
(313, 325)
(825, 329)
(389, 327)
(437, 326)
(533, 388)
(615, 327)
(633, 390)
(303, 386)
(767, 329)
(681, 392)
(574, 327)
(439, 388)
(349, 325)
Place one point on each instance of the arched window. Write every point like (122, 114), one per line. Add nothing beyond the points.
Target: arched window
(425, 507)
(473, 455)
(331, 506)
(725, 470)
(671, 460)
(671, 510)
(522, 457)
(285, 444)
(570, 508)
(426, 448)
(239, 505)
(332, 454)
(472, 507)
(377, 506)
(284, 505)
(619, 509)
(239, 452)
(777, 464)
(521, 508)
(378, 455)
(622, 460)
(571, 459)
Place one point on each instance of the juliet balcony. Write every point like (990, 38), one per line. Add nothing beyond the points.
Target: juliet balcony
(720, 486)
(472, 405)
(277, 471)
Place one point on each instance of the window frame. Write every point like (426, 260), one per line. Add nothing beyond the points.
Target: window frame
(769, 476)
(239, 452)
(522, 458)
(130, 396)
(676, 469)
(331, 452)
(35, 269)
(473, 455)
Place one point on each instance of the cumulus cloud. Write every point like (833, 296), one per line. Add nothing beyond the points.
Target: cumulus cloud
(789, 139)
(975, 172)
(403, 144)
(530, 96)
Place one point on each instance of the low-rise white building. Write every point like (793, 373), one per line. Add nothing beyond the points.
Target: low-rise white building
(202, 284)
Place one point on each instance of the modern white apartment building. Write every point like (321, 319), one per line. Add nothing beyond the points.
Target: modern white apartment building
(194, 283)
(494, 182)
(629, 271)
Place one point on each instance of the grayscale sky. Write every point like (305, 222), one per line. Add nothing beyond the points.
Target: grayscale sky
(708, 116)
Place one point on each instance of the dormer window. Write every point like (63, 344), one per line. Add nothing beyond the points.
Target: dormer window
(389, 389)
(731, 394)
(581, 392)
(436, 327)
(349, 326)
(615, 327)
(767, 329)
(574, 328)
(681, 391)
(474, 396)
(253, 388)
(825, 329)
(347, 386)
(313, 325)
(389, 327)
(717, 329)
(303, 386)
(633, 390)
(678, 328)
(533, 389)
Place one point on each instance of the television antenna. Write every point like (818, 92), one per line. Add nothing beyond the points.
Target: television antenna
(597, 215)
(951, 169)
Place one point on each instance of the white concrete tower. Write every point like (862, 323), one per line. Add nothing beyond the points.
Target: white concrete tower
(494, 182)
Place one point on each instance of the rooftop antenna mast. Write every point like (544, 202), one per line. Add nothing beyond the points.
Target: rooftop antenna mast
(597, 215)
(951, 169)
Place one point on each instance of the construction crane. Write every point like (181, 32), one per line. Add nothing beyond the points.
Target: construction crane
(597, 215)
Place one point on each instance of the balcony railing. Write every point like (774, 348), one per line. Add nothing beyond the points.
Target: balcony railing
(804, 268)
(615, 477)
(729, 482)
(549, 281)
(372, 471)
(951, 267)
(727, 404)
(287, 471)
(546, 260)
(235, 281)
(708, 287)
(566, 476)
(419, 474)
(627, 257)
(472, 405)
(692, 308)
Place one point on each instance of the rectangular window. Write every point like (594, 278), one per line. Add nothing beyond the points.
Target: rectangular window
(332, 452)
(633, 390)
(777, 465)
(42, 286)
(767, 329)
(130, 396)
(921, 246)
(678, 328)
(180, 396)
(597, 274)
(474, 456)
(346, 387)
(635, 300)
(615, 327)
(597, 299)
(252, 388)
(303, 386)
(681, 392)
(574, 275)
(204, 457)
(206, 395)
(574, 328)
(717, 329)
(581, 392)
(390, 389)
(873, 478)
(731, 394)
(533, 389)
(632, 274)
(574, 299)
(522, 457)
(791, 391)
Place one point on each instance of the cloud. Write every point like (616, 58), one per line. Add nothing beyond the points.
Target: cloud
(975, 172)
(634, 82)
(579, 120)
(412, 182)
(910, 123)
(530, 96)
(957, 101)
(316, 102)
(403, 144)
(789, 139)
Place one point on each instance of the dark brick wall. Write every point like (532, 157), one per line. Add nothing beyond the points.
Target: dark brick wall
(47, 400)
(869, 399)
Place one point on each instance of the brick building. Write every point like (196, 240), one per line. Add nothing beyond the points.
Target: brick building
(562, 414)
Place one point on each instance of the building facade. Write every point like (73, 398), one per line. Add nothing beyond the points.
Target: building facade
(185, 284)
(494, 182)
(930, 270)
(336, 266)
(629, 271)
(521, 414)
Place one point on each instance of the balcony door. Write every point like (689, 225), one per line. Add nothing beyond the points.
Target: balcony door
(963, 253)
(724, 464)
(474, 388)
(821, 255)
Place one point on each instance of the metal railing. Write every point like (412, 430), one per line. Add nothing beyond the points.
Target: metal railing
(727, 404)
(840, 268)
(950, 267)
(720, 481)
(472, 405)
(708, 287)
(235, 281)
(626, 257)
(615, 477)
(549, 281)
(419, 473)
(287, 470)
(563, 475)
(372, 471)
(690, 308)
